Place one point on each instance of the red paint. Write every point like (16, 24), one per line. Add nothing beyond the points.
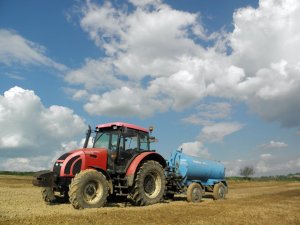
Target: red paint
(100, 160)
(91, 157)
(134, 164)
(121, 124)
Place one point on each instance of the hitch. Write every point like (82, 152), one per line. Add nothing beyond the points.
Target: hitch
(44, 178)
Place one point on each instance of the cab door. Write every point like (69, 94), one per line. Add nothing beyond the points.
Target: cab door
(109, 140)
(112, 152)
(128, 149)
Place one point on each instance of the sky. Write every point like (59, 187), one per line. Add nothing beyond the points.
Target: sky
(219, 79)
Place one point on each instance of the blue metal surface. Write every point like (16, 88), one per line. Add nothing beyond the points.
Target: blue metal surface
(195, 169)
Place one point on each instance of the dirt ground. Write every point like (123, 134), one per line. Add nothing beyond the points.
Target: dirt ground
(275, 203)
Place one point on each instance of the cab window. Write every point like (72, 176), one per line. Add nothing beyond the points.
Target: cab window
(144, 146)
(102, 140)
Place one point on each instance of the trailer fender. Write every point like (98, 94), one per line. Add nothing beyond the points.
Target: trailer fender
(138, 161)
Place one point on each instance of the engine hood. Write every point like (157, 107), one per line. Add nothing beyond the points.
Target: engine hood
(71, 163)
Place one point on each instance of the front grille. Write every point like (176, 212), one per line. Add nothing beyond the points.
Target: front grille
(56, 168)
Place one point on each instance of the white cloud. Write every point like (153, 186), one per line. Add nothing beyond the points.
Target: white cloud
(265, 165)
(217, 131)
(195, 148)
(211, 132)
(208, 112)
(30, 129)
(135, 51)
(145, 2)
(80, 94)
(256, 63)
(16, 49)
(266, 156)
(232, 168)
(25, 164)
(14, 76)
(263, 47)
(125, 102)
(183, 88)
(94, 74)
(275, 25)
(277, 166)
(274, 145)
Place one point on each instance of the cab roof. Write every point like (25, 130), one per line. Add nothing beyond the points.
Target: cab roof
(122, 124)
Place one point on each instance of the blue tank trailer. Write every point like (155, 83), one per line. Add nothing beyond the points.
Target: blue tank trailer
(195, 176)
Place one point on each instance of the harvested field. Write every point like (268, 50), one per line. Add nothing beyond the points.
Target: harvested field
(271, 202)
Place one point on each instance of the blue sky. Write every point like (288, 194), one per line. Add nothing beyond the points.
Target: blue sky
(220, 79)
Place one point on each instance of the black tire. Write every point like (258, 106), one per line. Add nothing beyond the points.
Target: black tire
(88, 189)
(149, 186)
(50, 198)
(194, 193)
(169, 196)
(219, 191)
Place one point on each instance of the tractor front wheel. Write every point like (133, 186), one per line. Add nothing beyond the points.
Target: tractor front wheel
(88, 189)
(149, 184)
(51, 198)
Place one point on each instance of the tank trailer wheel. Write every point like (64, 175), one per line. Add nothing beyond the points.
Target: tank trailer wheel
(219, 191)
(88, 189)
(194, 192)
(149, 186)
(50, 198)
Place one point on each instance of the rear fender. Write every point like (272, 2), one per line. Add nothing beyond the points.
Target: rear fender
(139, 160)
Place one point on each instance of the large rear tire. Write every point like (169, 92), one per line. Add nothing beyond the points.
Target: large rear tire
(194, 193)
(51, 198)
(149, 186)
(88, 189)
(219, 191)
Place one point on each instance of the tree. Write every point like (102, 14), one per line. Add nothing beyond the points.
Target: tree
(247, 171)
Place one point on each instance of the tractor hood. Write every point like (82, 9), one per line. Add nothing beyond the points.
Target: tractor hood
(71, 163)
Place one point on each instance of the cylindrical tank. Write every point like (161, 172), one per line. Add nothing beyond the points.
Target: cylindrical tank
(195, 168)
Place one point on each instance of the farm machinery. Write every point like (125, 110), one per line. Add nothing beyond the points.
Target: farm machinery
(120, 163)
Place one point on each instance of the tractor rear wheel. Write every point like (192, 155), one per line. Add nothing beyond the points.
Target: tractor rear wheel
(149, 186)
(194, 193)
(219, 191)
(51, 198)
(88, 189)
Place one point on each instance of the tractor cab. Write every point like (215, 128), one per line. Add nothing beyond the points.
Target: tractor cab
(123, 143)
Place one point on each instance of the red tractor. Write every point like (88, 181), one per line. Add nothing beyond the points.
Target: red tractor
(120, 163)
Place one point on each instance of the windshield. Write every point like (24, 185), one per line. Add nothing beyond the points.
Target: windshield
(102, 140)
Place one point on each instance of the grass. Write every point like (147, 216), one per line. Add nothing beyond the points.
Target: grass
(264, 178)
(247, 203)
(16, 173)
